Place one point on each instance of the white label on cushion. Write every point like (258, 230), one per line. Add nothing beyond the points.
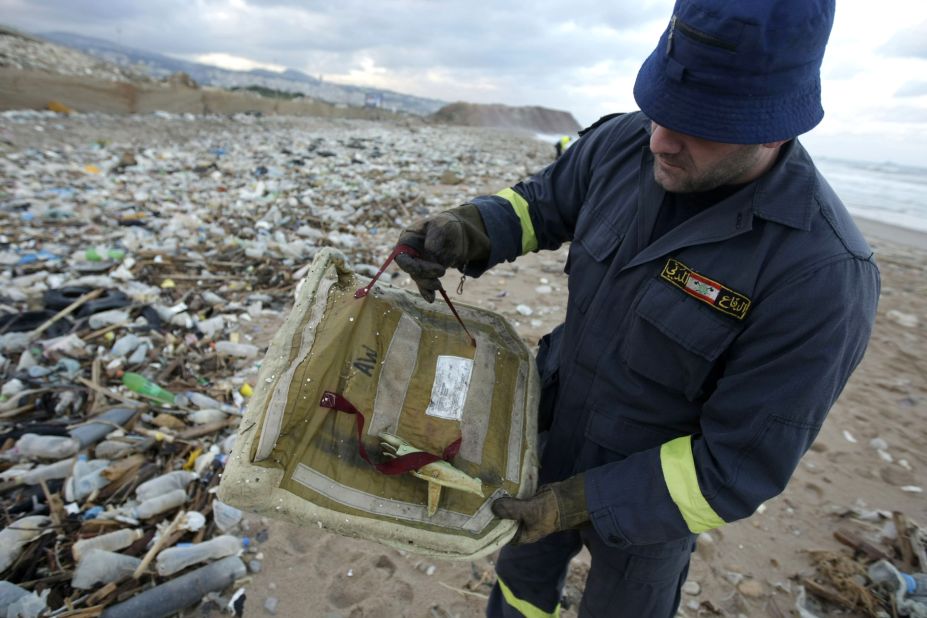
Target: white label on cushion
(449, 391)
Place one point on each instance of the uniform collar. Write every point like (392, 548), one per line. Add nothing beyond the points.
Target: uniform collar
(785, 194)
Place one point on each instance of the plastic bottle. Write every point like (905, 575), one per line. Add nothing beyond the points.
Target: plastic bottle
(225, 516)
(145, 387)
(179, 479)
(86, 478)
(96, 254)
(203, 417)
(30, 605)
(239, 350)
(116, 449)
(111, 541)
(125, 345)
(176, 594)
(160, 504)
(102, 567)
(108, 318)
(58, 470)
(205, 402)
(9, 594)
(34, 446)
(180, 557)
(909, 590)
(90, 433)
(15, 536)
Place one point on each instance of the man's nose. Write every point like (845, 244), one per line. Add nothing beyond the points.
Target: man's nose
(664, 141)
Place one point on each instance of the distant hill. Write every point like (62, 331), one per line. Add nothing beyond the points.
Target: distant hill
(160, 66)
(88, 58)
(532, 118)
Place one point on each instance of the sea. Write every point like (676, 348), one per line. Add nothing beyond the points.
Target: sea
(885, 192)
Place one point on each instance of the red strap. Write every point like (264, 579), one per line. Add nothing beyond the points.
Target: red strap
(399, 465)
(411, 251)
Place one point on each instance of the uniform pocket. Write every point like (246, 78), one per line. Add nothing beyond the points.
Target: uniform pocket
(658, 564)
(623, 436)
(675, 340)
(589, 259)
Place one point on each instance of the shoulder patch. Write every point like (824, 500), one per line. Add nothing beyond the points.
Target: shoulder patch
(595, 125)
(710, 292)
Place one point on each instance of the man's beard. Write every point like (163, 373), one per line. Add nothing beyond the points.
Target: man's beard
(685, 178)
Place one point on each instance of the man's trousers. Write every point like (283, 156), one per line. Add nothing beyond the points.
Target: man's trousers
(642, 581)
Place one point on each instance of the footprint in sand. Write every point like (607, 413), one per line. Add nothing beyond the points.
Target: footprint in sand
(813, 493)
(352, 585)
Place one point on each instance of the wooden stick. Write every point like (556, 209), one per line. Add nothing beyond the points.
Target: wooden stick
(464, 592)
(826, 593)
(904, 542)
(35, 334)
(851, 539)
(96, 368)
(205, 430)
(17, 411)
(106, 329)
(160, 543)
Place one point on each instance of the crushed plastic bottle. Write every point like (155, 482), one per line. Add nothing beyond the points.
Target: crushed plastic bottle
(160, 504)
(58, 470)
(180, 557)
(238, 350)
(86, 478)
(227, 517)
(34, 446)
(204, 402)
(102, 567)
(111, 541)
(15, 536)
(179, 479)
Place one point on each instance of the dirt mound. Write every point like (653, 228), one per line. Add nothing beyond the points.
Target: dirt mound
(532, 118)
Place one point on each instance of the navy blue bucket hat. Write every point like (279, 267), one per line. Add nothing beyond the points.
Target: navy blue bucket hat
(738, 71)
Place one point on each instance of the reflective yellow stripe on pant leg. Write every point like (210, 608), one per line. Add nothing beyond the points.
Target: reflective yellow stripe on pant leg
(529, 240)
(682, 482)
(527, 609)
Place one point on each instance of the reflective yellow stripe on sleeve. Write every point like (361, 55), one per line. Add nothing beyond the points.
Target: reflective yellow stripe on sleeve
(682, 482)
(527, 609)
(529, 240)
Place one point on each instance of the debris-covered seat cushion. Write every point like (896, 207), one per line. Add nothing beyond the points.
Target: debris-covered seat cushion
(411, 371)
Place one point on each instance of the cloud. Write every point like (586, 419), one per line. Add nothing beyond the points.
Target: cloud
(910, 43)
(912, 89)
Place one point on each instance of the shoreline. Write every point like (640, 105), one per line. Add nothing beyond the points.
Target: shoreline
(879, 231)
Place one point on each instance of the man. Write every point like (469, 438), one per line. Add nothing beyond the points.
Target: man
(562, 144)
(719, 298)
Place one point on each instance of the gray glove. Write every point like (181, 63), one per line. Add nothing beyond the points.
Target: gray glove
(450, 239)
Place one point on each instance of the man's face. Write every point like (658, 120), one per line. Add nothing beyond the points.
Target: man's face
(686, 164)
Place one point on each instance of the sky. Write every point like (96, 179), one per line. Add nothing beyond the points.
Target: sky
(581, 56)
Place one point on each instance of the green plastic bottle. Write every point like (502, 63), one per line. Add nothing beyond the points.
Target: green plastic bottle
(93, 254)
(145, 387)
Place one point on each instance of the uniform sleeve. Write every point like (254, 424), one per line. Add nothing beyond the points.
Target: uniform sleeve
(541, 212)
(781, 376)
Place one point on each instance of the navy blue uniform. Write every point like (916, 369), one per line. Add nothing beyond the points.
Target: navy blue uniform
(695, 366)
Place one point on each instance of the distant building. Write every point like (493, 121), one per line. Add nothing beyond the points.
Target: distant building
(373, 99)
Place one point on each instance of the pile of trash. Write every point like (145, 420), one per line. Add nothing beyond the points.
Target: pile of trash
(884, 573)
(145, 263)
